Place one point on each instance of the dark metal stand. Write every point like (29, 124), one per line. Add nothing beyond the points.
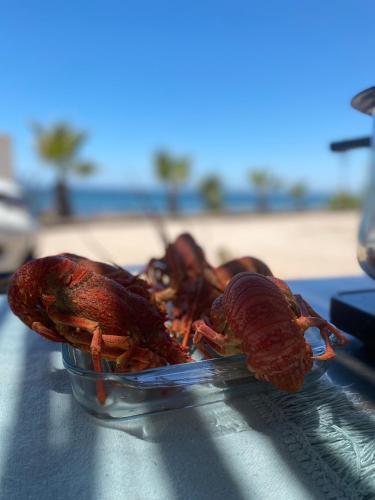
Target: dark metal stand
(354, 313)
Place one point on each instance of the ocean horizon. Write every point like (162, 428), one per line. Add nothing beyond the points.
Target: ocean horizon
(105, 201)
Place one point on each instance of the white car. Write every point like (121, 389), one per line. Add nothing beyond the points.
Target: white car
(18, 228)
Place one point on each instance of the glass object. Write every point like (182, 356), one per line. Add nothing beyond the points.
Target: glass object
(365, 102)
(169, 387)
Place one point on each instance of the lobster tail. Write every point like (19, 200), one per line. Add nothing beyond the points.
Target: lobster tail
(286, 374)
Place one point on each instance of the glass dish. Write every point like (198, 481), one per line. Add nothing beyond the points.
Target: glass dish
(169, 387)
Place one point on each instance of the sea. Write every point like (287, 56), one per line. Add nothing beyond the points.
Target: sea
(104, 201)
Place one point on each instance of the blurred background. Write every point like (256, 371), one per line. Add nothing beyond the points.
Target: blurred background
(123, 121)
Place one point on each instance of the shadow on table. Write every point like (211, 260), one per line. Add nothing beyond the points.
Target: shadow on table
(42, 441)
(50, 452)
(321, 434)
(325, 438)
(194, 464)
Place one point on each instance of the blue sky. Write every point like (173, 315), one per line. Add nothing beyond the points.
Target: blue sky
(233, 84)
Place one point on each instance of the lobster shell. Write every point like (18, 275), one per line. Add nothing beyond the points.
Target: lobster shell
(261, 317)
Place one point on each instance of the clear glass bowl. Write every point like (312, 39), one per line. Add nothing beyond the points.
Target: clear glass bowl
(169, 387)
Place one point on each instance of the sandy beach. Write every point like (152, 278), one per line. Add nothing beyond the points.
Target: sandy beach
(294, 245)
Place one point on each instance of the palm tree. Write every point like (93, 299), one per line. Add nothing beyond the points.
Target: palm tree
(59, 145)
(264, 182)
(211, 190)
(298, 193)
(344, 200)
(174, 172)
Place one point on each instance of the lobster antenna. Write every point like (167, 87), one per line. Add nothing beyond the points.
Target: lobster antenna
(159, 225)
(99, 248)
(151, 213)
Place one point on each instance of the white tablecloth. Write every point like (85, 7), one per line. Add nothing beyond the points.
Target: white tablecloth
(315, 444)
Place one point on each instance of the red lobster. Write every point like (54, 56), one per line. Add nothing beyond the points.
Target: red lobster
(226, 271)
(65, 301)
(261, 317)
(131, 282)
(184, 260)
(185, 278)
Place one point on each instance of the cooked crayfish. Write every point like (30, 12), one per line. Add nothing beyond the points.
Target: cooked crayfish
(126, 279)
(63, 300)
(260, 316)
(226, 271)
(184, 260)
(185, 278)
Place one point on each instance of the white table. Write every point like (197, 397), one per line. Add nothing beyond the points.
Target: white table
(286, 447)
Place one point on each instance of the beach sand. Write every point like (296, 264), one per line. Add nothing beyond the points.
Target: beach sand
(294, 245)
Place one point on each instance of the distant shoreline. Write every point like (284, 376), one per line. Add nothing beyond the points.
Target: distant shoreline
(101, 202)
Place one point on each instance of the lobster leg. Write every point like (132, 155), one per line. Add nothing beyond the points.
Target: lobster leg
(306, 322)
(95, 346)
(76, 322)
(130, 351)
(311, 312)
(186, 322)
(307, 310)
(329, 352)
(164, 295)
(140, 358)
(46, 332)
(203, 330)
